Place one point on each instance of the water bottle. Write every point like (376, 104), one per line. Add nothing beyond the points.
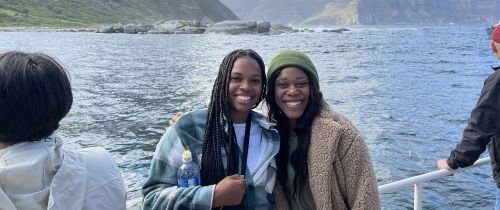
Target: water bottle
(189, 173)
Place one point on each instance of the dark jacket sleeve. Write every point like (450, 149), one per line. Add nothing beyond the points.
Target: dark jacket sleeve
(484, 124)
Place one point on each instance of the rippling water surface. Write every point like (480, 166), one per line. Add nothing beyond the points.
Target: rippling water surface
(409, 90)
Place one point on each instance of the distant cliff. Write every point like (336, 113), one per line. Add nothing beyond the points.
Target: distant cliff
(428, 11)
(76, 13)
(344, 12)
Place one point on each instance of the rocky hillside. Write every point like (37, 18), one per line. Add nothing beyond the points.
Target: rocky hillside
(81, 13)
(429, 11)
(344, 12)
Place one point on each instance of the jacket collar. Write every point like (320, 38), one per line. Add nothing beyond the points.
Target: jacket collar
(259, 119)
(52, 140)
(262, 121)
(495, 68)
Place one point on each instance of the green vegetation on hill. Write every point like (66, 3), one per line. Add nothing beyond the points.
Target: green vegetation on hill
(87, 13)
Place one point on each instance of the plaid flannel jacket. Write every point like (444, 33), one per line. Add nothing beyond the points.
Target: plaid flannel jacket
(160, 190)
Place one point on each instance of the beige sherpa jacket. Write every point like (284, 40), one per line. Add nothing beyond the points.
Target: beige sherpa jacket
(340, 169)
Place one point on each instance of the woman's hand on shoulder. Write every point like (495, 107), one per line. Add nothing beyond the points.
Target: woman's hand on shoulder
(175, 118)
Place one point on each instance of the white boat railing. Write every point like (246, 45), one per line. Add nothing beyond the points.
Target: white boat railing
(417, 181)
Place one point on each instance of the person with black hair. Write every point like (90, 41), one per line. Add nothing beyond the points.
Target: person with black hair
(234, 146)
(35, 171)
(323, 162)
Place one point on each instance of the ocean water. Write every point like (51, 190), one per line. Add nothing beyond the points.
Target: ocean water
(409, 90)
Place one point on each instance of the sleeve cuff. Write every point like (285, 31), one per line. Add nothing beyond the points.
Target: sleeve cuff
(206, 197)
(451, 164)
(212, 197)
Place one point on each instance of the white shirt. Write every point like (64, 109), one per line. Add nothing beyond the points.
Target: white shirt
(254, 145)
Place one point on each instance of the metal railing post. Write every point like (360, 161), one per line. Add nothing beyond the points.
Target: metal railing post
(417, 200)
(420, 179)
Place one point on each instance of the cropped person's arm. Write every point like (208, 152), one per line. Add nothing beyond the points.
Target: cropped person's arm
(105, 187)
(160, 190)
(484, 123)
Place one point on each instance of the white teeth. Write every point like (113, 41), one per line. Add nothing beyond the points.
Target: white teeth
(244, 98)
(293, 103)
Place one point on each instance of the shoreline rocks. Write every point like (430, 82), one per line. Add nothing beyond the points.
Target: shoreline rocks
(184, 27)
(177, 27)
(240, 27)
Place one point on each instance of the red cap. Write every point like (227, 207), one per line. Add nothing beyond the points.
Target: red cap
(495, 35)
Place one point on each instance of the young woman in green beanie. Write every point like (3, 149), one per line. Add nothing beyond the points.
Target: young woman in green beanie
(338, 172)
(227, 140)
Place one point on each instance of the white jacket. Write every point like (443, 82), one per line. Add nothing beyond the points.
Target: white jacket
(41, 175)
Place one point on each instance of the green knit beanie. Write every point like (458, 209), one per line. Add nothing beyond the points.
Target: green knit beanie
(294, 58)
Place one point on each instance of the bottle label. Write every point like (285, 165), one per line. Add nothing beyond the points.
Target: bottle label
(189, 182)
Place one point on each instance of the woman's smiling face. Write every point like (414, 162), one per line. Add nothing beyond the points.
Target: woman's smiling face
(245, 87)
(292, 92)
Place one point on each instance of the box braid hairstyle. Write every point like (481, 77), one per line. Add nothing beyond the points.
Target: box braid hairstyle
(212, 169)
